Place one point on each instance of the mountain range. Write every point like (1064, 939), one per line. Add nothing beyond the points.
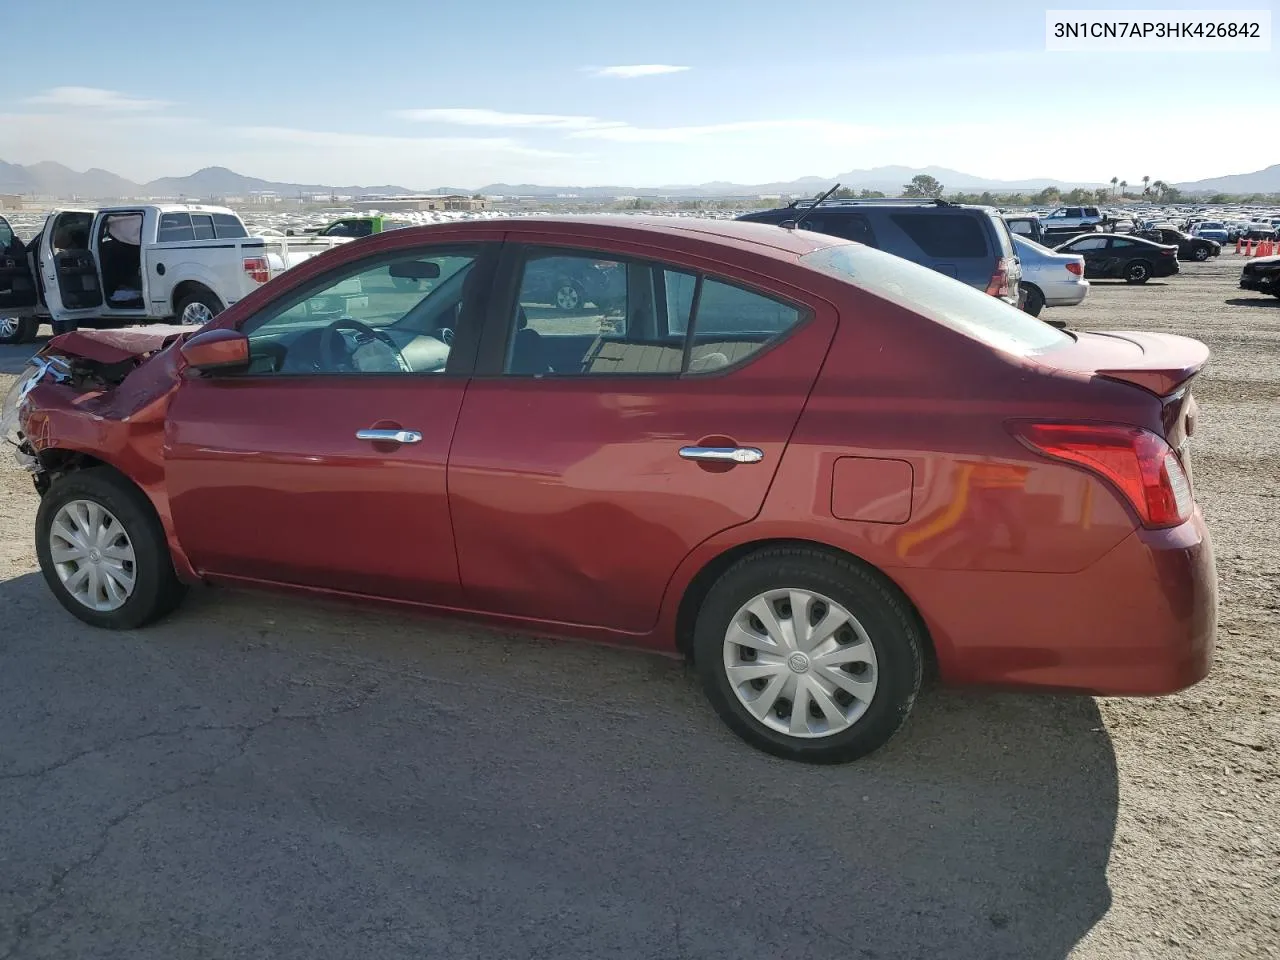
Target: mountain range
(49, 179)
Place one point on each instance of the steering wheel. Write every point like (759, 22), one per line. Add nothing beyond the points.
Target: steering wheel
(336, 354)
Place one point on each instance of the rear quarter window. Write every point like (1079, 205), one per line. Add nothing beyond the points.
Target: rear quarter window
(949, 235)
(229, 227)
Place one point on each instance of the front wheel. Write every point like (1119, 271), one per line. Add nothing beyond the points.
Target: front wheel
(1200, 253)
(807, 656)
(18, 329)
(103, 551)
(1139, 271)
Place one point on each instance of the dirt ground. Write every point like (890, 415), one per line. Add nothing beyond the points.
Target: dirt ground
(265, 777)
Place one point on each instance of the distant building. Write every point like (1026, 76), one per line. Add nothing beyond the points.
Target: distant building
(10, 201)
(427, 202)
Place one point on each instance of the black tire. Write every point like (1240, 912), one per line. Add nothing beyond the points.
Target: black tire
(1137, 271)
(157, 590)
(1201, 254)
(23, 330)
(892, 630)
(1034, 302)
(203, 297)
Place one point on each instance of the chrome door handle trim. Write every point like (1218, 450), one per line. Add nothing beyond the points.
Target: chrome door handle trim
(389, 436)
(723, 454)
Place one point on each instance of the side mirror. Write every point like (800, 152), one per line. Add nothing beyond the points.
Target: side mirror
(414, 270)
(216, 350)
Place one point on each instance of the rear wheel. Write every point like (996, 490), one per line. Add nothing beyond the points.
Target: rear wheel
(198, 308)
(1034, 302)
(807, 656)
(1138, 271)
(18, 329)
(103, 551)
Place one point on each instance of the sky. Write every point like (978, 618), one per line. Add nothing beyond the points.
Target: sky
(429, 93)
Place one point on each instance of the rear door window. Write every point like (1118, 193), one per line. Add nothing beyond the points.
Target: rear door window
(174, 227)
(944, 235)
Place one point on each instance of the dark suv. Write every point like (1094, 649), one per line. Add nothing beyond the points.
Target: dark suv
(969, 243)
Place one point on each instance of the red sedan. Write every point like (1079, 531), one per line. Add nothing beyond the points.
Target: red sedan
(806, 464)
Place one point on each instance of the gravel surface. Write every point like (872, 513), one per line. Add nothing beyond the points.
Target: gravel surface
(259, 777)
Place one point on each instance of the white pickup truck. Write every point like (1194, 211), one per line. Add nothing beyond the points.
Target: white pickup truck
(137, 264)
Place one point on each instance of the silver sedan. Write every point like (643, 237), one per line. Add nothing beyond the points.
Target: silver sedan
(1049, 279)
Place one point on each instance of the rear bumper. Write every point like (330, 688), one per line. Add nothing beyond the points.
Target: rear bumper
(1140, 621)
(1166, 267)
(1066, 293)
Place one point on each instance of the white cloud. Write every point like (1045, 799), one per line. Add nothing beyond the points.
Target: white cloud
(468, 117)
(631, 71)
(95, 98)
(805, 131)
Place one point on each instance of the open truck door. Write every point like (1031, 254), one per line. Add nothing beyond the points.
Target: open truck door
(72, 286)
(18, 296)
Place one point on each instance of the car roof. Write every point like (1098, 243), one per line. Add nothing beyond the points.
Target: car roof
(764, 238)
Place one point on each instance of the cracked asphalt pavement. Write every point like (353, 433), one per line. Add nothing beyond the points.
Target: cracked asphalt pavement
(267, 777)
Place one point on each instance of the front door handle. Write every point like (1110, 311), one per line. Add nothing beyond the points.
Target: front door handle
(389, 436)
(723, 454)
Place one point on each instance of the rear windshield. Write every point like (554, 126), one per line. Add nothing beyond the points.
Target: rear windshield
(931, 294)
(944, 235)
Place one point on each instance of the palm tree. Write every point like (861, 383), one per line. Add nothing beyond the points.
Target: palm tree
(1123, 186)
(1114, 181)
(1160, 187)
(1146, 189)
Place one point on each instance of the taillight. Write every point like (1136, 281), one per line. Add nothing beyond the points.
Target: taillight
(1075, 268)
(1137, 462)
(999, 283)
(257, 269)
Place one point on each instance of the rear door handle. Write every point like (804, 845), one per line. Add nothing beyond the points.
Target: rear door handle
(723, 454)
(389, 436)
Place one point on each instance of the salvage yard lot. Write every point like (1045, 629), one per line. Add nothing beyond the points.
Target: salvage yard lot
(265, 777)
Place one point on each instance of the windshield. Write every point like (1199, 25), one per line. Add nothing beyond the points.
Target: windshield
(946, 301)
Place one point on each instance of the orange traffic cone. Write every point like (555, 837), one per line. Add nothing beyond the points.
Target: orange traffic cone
(1239, 244)
(1264, 248)
(1248, 248)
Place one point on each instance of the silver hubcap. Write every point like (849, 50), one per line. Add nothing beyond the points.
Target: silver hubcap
(196, 314)
(800, 663)
(567, 298)
(92, 555)
(9, 326)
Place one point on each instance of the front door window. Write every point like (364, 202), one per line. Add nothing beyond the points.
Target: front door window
(394, 314)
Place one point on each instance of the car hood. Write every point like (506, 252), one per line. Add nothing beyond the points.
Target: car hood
(115, 346)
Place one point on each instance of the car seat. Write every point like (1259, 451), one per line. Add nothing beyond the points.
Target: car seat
(528, 352)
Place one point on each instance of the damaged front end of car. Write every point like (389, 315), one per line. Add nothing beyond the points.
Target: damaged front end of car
(86, 396)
